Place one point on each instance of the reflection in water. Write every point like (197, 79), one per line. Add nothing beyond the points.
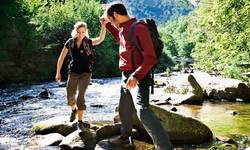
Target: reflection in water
(217, 118)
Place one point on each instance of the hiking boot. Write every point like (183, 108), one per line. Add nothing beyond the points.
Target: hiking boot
(83, 125)
(120, 141)
(73, 115)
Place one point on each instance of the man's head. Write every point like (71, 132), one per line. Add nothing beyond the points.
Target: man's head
(116, 13)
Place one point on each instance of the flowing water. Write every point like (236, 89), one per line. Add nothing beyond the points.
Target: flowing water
(17, 114)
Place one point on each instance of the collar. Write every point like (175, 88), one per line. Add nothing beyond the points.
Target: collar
(127, 23)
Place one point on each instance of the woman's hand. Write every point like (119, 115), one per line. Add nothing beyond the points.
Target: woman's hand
(58, 77)
(103, 21)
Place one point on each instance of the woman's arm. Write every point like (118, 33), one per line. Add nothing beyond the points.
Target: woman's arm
(98, 40)
(60, 63)
(101, 37)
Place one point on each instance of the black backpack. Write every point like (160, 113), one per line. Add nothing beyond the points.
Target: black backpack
(157, 42)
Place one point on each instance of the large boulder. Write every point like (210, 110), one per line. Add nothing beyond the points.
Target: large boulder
(181, 129)
(54, 125)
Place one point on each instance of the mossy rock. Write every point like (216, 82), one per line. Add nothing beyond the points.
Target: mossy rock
(54, 125)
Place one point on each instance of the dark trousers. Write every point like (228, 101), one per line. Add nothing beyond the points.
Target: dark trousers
(138, 99)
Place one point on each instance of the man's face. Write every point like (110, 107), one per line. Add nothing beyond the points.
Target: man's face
(114, 21)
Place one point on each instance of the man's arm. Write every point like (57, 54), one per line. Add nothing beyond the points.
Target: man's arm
(113, 31)
(148, 52)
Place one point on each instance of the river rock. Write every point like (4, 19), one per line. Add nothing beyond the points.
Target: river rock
(231, 112)
(72, 141)
(138, 145)
(181, 129)
(225, 139)
(96, 105)
(89, 138)
(173, 109)
(159, 84)
(221, 94)
(45, 94)
(108, 131)
(242, 91)
(54, 125)
(195, 98)
(52, 139)
(25, 97)
(226, 146)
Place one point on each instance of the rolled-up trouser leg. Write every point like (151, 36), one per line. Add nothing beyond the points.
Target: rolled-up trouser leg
(83, 83)
(71, 88)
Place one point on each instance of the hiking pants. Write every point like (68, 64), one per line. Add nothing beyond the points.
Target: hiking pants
(139, 101)
(78, 82)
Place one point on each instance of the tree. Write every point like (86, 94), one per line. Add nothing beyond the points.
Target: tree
(221, 30)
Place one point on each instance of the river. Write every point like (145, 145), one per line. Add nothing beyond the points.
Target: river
(17, 114)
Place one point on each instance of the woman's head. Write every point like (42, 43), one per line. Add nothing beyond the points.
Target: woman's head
(80, 30)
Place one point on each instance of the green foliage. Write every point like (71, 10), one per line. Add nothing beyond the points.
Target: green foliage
(55, 21)
(18, 44)
(221, 32)
(176, 37)
(161, 10)
(216, 34)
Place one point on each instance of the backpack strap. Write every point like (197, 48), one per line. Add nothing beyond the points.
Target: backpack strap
(135, 41)
(90, 52)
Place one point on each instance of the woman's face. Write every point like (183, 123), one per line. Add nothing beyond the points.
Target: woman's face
(81, 33)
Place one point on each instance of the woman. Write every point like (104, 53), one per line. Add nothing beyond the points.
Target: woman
(80, 69)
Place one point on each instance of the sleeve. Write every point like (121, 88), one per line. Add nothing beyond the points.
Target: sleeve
(113, 31)
(67, 44)
(148, 52)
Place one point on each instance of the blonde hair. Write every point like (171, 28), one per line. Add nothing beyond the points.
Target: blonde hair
(78, 25)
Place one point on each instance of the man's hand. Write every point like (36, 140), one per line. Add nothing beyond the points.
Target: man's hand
(131, 83)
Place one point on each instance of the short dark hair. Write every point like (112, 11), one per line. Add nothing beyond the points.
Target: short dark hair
(119, 8)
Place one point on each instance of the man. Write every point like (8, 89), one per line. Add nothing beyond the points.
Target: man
(135, 67)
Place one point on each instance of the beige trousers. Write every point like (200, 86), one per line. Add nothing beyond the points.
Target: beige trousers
(77, 83)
